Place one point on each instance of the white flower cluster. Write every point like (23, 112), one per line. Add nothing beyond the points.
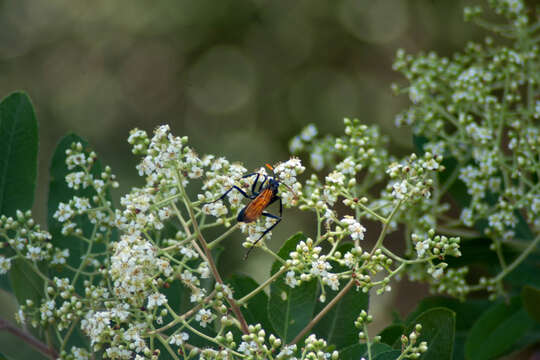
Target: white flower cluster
(317, 349)
(28, 240)
(134, 265)
(309, 263)
(287, 173)
(355, 229)
(98, 326)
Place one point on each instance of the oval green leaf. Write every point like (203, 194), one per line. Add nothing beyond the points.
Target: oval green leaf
(290, 309)
(497, 330)
(18, 153)
(255, 309)
(337, 326)
(60, 192)
(438, 330)
(18, 172)
(531, 301)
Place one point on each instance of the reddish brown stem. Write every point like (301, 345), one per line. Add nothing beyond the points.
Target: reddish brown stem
(211, 263)
(323, 312)
(28, 338)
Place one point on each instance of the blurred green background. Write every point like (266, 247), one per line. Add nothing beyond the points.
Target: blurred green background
(239, 77)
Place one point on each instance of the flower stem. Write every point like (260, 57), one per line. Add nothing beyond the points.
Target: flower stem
(385, 227)
(518, 260)
(26, 337)
(210, 259)
(167, 347)
(243, 300)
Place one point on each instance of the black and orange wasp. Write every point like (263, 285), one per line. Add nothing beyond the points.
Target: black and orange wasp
(260, 198)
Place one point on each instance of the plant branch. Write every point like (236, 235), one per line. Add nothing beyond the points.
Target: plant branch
(323, 312)
(210, 259)
(518, 260)
(243, 300)
(28, 338)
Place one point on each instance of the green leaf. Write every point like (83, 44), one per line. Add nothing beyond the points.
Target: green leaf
(60, 192)
(474, 251)
(290, 309)
(337, 326)
(18, 153)
(531, 300)
(438, 329)
(466, 314)
(4, 357)
(25, 283)
(4, 283)
(391, 334)
(18, 171)
(496, 331)
(358, 351)
(525, 273)
(255, 310)
(388, 355)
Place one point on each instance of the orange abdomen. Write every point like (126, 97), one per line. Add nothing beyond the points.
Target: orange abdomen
(255, 208)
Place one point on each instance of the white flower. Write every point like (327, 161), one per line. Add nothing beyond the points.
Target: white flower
(288, 170)
(197, 295)
(196, 172)
(309, 132)
(335, 177)
(295, 145)
(75, 179)
(5, 264)
(421, 247)
(332, 280)
(317, 160)
(348, 259)
(320, 267)
(286, 352)
(60, 256)
(19, 317)
(354, 227)
(95, 323)
(156, 299)
(400, 189)
(63, 213)
(431, 164)
(34, 253)
(204, 317)
(189, 279)
(81, 204)
(437, 273)
(290, 279)
(204, 270)
(179, 339)
(247, 348)
(393, 169)
(347, 166)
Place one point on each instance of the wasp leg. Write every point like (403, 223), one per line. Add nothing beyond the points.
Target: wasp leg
(278, 218)
(262, 183)
(254, 185)
(280, 204)
(232, 188)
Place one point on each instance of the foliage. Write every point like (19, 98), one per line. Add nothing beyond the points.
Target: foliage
(141, 280)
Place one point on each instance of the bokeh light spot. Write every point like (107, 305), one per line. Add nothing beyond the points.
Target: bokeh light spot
(222, 80)
(378, 21)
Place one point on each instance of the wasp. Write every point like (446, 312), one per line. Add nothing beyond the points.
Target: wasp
(261, 198)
